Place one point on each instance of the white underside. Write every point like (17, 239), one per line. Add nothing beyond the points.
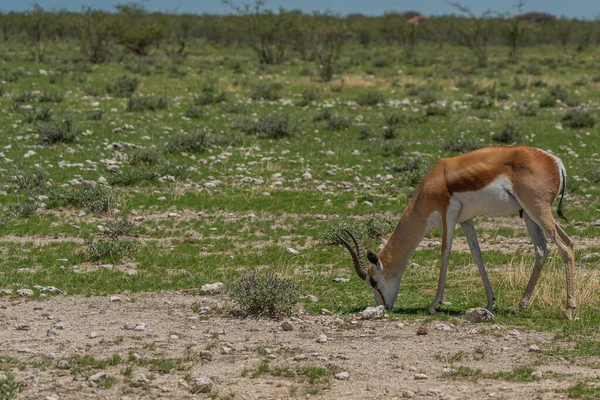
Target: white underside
(498, 199)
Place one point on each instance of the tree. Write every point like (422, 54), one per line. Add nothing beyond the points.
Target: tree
(137, 30)
(36, 26)
(96, 35)
(515, 32)
(267, 33)
(475, 33)
(330, 34)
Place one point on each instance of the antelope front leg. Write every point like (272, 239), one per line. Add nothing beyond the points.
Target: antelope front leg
(469, 229)
(448, 225)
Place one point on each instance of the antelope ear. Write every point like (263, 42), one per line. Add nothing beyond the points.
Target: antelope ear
(372, 257)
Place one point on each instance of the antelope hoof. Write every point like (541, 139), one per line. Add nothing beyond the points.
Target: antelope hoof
(431, 309)
(490, 307)
(570, 314)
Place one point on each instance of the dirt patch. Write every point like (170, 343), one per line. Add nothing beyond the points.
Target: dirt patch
(381, 357)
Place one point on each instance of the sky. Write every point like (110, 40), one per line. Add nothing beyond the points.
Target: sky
(586, 9)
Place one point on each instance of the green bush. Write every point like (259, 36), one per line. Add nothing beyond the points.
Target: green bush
(132, 176)
(370, 98)
(146, 156)
(309, 95)
(147, 103)
(56, 132)
(337, 122)
(265, 91)
(194, 142)
(24, 208)
(264, 294)
(96, 198)
(510, 134)
(95, 115)
(411, 167)
(194, 112)
(432, 110)
(123, 87)
(427, 96)
(461, 145)
(209, 95)
(392, 149)
(51, 96)
(111, 250)
(578, 118)
(276, 125)
(9, 388)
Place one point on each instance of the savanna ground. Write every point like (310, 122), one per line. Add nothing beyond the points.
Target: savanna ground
(231, 163)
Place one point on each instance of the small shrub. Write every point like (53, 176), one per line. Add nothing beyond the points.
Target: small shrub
(23, 97)
(436, 110)
(509, 135)
(370, 98)
(194, 142)
(265, 91)
(151, 103)
(56, 132)
(209, 95)
(392, 149)
(123, 87)
(42, 114)
(395, 118)
(322, 115)
(518, 84)
(95, 115)
(9, 388)
(461, 145)
(32, 183)
(527, 110)
(96, 198)
(194, 112)
(465, 83)
(111, 250)
(479, 102)
(411, 167)
(146, 156)
(23, 208)
(389, 132)
(578, 118)
(427, 96)
(170, 169)
(337, 122)
(556, 93)
(276, 125)
(130, 177)
(592, 174)
(365, 132)
(51, 96)
(119, 226)
(533, 69)
(309, 95)
(264, 294)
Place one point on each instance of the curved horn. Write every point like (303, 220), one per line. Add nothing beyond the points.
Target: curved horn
(360, 249)
(359, 262)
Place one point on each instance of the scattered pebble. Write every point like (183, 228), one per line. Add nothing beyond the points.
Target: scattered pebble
(201, 384)
(534, 349)
(420, 376)
(422, 330)
(97, 377)
(322, 338)
(292, 251)
(373, 312)
(342, 376)
(287, 326)
(479, 314)
(407, 394)
(25, 292)
(212, 288)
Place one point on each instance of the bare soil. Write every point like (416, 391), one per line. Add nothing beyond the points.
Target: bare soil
(381, 357)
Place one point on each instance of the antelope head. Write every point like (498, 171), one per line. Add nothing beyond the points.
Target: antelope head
(385, 291)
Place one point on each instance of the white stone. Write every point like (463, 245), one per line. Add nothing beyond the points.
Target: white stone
(292, 251)
(420, 376)
(373, 312)
(97, 377)
(479, 314)
(212, 288)
(534, 349)
(342, 376)
(322, 338)
(201, 384)
(25, 292)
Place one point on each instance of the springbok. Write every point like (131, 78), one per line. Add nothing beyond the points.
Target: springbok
(493, 181)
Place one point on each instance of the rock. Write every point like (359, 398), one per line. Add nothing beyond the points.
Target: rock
(286, 326)
(373, 312)
(129, 326)
(407, 394)
(307, 176)
(420, 377)
(97, 377)
(137, 356)
(114, 298)
(537, 374)
(93, 335)
(514, 333)
(442, 327)
(212, 288)
(322, 338)
(292, 251)
(140, 326)
(342, 376)
(534, 349)
(205, 355)
(341, 280)
(25, 292)
(63, 364)
(22, 327)
(51, 397)
(5, 292)
(447, 397)
(433, 392)
(479, 314)
(422, 330)
(201, 384)
(597, 223)
(226, 350)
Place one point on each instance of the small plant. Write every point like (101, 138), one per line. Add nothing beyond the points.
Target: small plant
(209, 95)
(194, 142)
(51, 96)
(132, 176)
(96, 198)
(395, 118)
(264, 294)
(527, 110)
(146, 156)
(25, 208)
(578, 118)
(556, 93)
(274, 125)
(23, 97)
(337, 122)
(509, 135)
(480, 102)
(309, 95)
(265, 91)
(461, 145)
(123, 87)
(194, 112)
(111, 250)
(95, 115)
(56, 132)
(392, 149)
(411, 167)
(144, 103)
(32, 183)
(436, 110)
(9, 388)
(365, 132)
(389, 132)
(370, 98)
(427, 96)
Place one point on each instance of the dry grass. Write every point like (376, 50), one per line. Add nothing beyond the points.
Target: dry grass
(551, 291)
